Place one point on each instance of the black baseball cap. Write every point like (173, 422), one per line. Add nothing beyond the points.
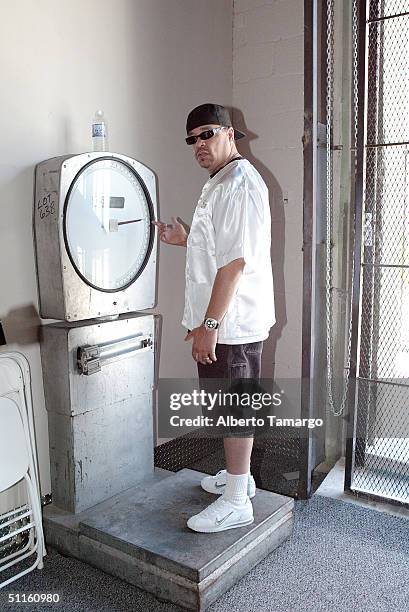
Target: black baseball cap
(209, 113)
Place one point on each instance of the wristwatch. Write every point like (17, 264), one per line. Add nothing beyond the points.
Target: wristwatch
(211, 324)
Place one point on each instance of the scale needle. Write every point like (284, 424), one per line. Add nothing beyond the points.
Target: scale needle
(130, 221)
(114, 223)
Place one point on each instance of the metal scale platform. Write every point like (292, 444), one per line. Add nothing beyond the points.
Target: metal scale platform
(96, 264)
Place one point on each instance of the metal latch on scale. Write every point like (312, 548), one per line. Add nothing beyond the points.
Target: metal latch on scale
(90, 359)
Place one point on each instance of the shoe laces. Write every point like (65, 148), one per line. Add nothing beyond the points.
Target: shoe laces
(217, 506)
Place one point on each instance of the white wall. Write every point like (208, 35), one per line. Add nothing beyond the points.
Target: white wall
(268, 95)
(146, 63)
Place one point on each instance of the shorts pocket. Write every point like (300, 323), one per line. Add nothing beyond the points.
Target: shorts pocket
(238, 370)
(253, 348)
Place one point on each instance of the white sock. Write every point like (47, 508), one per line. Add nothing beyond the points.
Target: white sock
(236, 488)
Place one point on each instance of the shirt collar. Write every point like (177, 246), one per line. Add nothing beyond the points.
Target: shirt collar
(226, 164)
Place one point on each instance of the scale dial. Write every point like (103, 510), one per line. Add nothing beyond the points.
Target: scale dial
(107, 224)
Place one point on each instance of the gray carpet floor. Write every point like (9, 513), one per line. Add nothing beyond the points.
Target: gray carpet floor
(341, 557)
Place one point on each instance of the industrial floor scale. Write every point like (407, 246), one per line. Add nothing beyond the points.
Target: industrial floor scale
(96, 265)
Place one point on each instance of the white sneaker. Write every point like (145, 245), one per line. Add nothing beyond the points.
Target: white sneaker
(217, 484)
(222, 515)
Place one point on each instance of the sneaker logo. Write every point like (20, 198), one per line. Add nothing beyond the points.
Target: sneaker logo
(217, 485)
(220, 521)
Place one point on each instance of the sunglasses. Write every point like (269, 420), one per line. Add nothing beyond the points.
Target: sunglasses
(190, 140)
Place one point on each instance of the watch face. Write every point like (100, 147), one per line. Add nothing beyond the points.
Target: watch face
(211, 323)
(107, 224)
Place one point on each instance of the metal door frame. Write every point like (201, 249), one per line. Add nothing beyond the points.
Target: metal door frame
(306, 450)
(358, 208)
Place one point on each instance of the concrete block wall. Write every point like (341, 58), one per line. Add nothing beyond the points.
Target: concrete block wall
(268, 101)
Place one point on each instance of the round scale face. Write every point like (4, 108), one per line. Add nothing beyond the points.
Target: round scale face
(107, 224)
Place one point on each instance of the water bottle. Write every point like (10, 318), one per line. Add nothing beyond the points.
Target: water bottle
(99, 132)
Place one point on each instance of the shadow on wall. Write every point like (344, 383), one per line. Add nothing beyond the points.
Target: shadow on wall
(277, 243)
(21, 325)
(19, 317)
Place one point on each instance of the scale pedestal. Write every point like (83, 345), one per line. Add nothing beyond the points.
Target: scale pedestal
(100, 422)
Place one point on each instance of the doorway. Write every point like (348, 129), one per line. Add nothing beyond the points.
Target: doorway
(378, 449)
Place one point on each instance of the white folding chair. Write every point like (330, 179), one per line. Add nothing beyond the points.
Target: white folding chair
(14, 462)
(15, 395)
(15, 382)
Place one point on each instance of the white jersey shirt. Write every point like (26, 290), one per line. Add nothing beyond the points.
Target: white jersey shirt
(232, 220)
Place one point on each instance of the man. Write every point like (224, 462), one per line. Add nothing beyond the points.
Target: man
(229, 303)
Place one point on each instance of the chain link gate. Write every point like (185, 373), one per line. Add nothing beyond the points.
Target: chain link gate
(378, 458)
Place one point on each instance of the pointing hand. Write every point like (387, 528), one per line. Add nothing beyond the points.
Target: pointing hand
(173, 233)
